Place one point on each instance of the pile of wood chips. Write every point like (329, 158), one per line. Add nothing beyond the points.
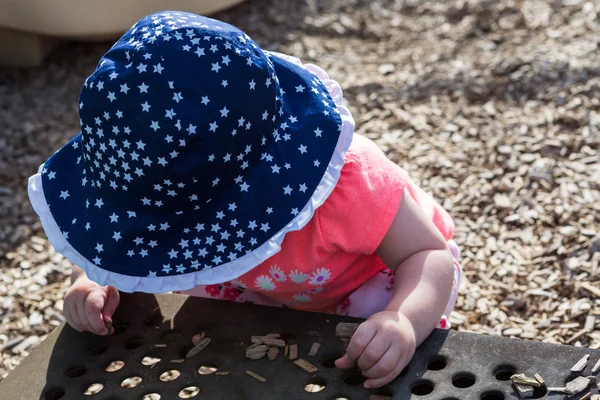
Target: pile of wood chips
(492, 106)
(269, 346)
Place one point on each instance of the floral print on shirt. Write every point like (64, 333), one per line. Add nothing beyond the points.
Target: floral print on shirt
(264, 283)
(320, 277)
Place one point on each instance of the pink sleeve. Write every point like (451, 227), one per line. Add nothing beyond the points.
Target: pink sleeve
(361, 208)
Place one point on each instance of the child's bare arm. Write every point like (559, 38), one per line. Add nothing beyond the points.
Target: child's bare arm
(418, 253)
(414, 248)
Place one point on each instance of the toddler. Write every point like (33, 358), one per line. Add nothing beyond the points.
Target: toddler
(208, 166)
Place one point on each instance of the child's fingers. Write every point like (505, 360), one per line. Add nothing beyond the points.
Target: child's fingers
(360, 340)
(385, 364)
(379, 382)
(112, 302)
(82, 317)
(344, 362)
(94, 303)
(374, 352)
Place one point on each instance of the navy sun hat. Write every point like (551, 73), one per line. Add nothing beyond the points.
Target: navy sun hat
(198, 152)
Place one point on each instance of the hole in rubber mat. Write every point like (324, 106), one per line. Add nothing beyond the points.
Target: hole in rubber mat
(114, 366)
(504, 372)
(93, 389)
(384, 393)
(315, 385)
(189, 392)
(134, 343)
(150, 396)
(151, 360)
(54, 394)
(422, 388)
(208, 369)
(131, 382)
(76, 372)
(375, 396)
(329, 360)
(493, 395)
(437, 364)
(154, 320)
(96, 351)
(170, 375)
(463, 380)
(171, 336)
(355, 378)
(539, 392)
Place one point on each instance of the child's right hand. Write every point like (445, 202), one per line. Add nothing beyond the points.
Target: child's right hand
(88, 306)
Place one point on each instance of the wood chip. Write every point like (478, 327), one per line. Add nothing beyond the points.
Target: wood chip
(256, 339)
(293, 351)
(272, 353)
(273, 335)
(586, 396)
(285, 352)
(346, 329)
(522, 379)
(256, 376)
(256, 353)
(178, 361)
(577, 385)
(581, 364)
(557, 389)
(222, 373)
(524, 391)
(596, 367)
(197, 338)
(274, 342)
(592, 289)
(314, 349)
(198, 348)
(590, 323)
(577, 336)
(255, 345)
(159, 345)
(305, 365)
(595, 397)
(539, 378)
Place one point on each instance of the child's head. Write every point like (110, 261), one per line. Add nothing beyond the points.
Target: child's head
(198, 152)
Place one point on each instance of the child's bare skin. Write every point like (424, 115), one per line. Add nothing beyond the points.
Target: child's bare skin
(89, 306)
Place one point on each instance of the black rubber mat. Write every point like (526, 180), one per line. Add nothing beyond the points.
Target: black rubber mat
(449, 365)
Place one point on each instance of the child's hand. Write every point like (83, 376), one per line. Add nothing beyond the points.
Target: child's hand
(89, 306)
(381, 347)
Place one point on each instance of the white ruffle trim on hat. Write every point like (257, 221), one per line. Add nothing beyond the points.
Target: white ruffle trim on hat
(224, 272)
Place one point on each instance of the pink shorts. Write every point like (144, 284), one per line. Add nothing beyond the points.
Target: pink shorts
(370, 298)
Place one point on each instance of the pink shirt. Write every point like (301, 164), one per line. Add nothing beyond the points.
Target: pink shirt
(321, 264)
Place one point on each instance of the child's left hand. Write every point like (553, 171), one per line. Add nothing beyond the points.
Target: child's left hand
(381, 347)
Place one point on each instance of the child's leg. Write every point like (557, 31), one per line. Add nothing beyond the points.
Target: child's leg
(231, 292)
(375, 294)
